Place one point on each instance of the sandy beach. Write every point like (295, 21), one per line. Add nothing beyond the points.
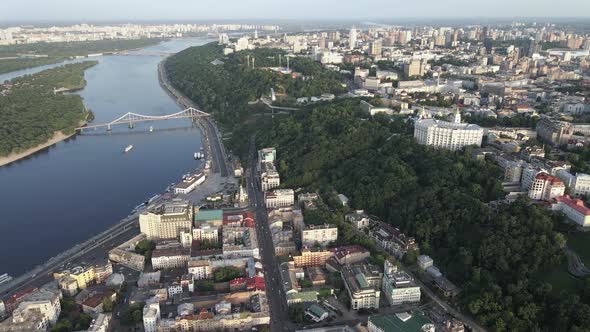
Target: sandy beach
(57, 137)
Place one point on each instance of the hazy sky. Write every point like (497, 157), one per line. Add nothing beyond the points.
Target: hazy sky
(126, 10)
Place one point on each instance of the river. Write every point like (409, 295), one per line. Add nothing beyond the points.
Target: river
(75, 189)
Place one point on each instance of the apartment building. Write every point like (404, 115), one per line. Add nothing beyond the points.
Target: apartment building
(398, 286)
(269, 176)
(318, 234)
(545, 187)
(170, 258)
(554, 132)
(352, 254)
(578, 184)
(200, 269)
(167, 220)
(151, 317)
(240, 242)
(206, 232)
(36, 312)
(312, 257)
(363, 284)
(279, 198)
(83, 275)
(359, 219)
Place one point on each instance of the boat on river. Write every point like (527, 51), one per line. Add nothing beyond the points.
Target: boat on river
(5, 278)
(128, 148)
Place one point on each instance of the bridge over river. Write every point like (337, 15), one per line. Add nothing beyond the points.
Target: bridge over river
(130, 118)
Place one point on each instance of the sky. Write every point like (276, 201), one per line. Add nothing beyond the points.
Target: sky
(170, 10)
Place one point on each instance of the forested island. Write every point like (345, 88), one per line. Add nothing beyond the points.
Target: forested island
(505, 257)
(22, 56)
(34, 111)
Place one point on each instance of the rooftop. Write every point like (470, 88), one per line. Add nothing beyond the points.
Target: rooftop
(402, 322)
(576, 204)
(447, 125)
(207, 215)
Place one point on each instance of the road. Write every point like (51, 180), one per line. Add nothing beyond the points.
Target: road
(210, 131)
(277, 299)
(96, 247)
(468, 321)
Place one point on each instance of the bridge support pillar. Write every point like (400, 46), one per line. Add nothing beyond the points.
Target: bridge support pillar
(130, 125)
(109, 127)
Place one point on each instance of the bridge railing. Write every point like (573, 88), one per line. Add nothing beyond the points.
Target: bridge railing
(130, 118)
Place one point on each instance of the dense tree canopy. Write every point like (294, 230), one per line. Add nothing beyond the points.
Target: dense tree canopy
(21, 56)
(497, 253)
(32, 109)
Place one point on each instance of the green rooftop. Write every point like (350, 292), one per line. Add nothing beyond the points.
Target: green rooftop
(317, 310)
(362, 280)
(403, 322)
(207, 215)
(309, 296)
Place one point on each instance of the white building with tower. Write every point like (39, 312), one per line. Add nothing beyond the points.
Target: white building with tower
(447, 135)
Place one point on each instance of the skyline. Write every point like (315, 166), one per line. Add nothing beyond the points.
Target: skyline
(183, 10)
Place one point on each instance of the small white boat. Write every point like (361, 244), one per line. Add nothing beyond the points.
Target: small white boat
(128, 148)
(5, 278)
(151, 128)
(196, 155)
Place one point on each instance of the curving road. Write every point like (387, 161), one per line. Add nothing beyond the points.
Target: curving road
(210, 131)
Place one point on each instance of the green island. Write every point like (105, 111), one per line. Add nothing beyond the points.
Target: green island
(508, 258)
(34, 109)
(22, 56)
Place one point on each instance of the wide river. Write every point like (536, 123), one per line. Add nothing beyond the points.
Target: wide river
(62, 196)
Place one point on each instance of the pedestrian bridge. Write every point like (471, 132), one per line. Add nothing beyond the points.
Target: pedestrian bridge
(130, 118)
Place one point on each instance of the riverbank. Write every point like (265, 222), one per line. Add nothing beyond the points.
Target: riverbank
(57, 137)
(54, 53)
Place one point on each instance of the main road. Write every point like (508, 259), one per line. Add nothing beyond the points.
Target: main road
(96, 247)
(275, 293)
(210, 132)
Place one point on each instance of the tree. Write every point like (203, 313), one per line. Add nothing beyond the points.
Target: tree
(306, 283)
(227, 273)
(133, 315)
(63, 325)
(297, 313)
(107, 304)
(31, 111)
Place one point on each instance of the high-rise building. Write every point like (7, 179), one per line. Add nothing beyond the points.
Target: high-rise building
(375, 47)
(352, 38)
(415, 68)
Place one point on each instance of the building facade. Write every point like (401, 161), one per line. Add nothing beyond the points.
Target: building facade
(279, 198)
(170, 258)
(399, 288)
(167, 220)
(545, 187)
(318, 234)
(363, 283)
(447, 135)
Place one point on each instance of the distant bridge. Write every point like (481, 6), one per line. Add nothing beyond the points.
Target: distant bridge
(144, 52)
(130, 118)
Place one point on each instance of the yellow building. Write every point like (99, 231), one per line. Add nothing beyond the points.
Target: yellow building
(312, 257)
(82, 274)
